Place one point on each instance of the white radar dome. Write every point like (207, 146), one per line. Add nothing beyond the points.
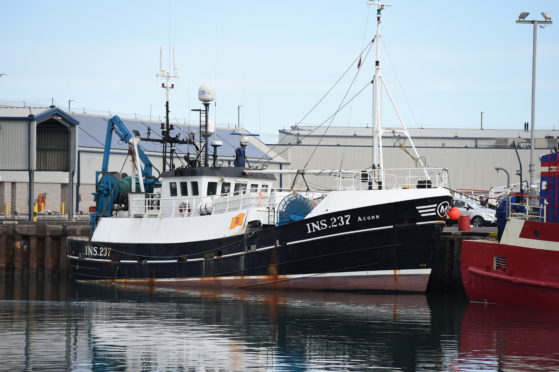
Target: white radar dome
(211, 128)
(206, 93)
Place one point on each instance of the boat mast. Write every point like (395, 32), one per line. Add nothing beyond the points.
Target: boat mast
(166, 137)
(378, 84)
(166, 128)
(377, 90)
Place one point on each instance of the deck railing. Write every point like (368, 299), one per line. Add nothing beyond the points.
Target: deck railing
(397, 178)
(530, 208)
(152, 205)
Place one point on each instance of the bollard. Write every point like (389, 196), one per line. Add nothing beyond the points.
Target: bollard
(464, 223)
(35, 211)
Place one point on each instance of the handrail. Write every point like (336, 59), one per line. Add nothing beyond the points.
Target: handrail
(152, 205)
(526, 210)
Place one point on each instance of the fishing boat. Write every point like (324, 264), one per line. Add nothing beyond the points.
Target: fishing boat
(522, 267)
(214, 226)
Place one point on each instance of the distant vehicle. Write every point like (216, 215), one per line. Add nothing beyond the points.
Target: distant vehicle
(479, 215)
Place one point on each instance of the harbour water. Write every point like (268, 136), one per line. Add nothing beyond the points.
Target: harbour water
(47, 324)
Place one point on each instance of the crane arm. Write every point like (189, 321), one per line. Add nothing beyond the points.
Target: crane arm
(116, 126)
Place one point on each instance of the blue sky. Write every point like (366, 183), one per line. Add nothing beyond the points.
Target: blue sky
(449, 60)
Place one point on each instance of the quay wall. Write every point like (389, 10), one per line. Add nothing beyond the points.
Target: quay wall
(38, 248)
(445, 275)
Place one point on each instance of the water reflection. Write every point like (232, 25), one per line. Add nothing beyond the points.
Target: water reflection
(46, 324)
(497, 337)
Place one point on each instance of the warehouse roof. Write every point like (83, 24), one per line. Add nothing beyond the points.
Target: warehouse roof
(419, 132)
(93, 129)
(40, 113)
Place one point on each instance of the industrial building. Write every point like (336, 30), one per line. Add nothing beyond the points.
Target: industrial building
(50, 157)
(470, 156)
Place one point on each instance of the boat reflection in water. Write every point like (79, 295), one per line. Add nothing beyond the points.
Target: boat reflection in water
(110, 328)
(58, 326)
(509, 338)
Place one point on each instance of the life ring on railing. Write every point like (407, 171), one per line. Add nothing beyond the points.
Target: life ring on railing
(184, 208)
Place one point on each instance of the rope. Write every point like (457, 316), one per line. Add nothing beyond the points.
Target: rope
(400, 84)
(338, 110)
(334, 114)
(369, 46)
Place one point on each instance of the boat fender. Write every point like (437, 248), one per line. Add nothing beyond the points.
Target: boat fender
(206, 206)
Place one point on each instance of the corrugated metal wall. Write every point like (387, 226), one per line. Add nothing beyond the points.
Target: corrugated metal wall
(468, 168)
(13, 145)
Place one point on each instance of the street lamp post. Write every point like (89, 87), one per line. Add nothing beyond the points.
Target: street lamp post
(546, 21)
(497, 169)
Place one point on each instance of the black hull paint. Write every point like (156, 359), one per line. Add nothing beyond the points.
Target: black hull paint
(377, 238)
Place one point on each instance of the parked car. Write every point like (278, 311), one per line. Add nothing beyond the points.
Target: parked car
(479, 215)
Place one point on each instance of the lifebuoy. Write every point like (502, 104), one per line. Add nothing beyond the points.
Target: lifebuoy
(184, 208)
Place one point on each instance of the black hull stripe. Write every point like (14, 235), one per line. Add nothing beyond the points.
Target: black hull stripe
(256, 250)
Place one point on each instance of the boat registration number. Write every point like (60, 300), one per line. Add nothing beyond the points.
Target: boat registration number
(93, 250)
(328, 223)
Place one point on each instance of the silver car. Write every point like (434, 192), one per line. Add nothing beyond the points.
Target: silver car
(479, 215)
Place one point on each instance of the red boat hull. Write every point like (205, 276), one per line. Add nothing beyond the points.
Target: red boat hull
(524, 273)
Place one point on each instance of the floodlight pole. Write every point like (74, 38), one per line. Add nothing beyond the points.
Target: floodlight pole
(535, 23)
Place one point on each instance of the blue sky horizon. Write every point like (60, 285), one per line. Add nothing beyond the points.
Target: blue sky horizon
(445, 62)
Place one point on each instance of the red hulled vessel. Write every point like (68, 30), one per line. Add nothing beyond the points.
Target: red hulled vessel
(523, 266)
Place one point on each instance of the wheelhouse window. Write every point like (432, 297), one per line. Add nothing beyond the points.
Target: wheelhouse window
(225, 188)
(173, 188)
(184, 188)
(254, 187)
(194, 188)
(264, 189)
(240, 188)
(212, 188)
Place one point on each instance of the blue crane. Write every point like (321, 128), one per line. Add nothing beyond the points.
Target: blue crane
(111, 188)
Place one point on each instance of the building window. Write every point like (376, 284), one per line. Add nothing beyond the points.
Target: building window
(194, 188)
(173, 188)
(225, 188)
(240, 188)
(212, 188)
(184, 188)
